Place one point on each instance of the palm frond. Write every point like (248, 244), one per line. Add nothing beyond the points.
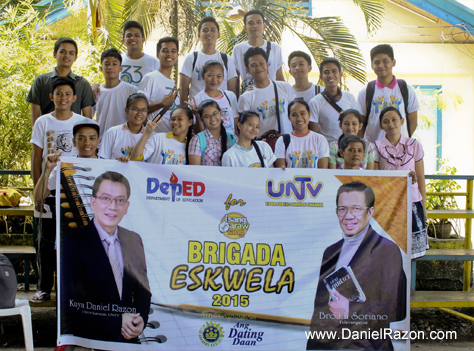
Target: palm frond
(373, 12)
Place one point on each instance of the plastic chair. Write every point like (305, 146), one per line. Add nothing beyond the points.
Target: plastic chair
(22, 307)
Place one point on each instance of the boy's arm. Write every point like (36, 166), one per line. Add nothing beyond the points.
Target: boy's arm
(184, 82)
(279, 74)
(35, 112)
(36, 161)
(87, 111)
(413, 119)
(168, 100)
(39, 192)
(233, 85)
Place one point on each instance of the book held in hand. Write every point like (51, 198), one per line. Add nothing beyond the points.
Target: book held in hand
(344, 281)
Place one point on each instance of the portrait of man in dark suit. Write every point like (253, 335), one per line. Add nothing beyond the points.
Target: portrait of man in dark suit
(377, 273)
(105, 294)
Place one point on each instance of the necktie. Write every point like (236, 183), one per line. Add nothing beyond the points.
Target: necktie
(115, 264)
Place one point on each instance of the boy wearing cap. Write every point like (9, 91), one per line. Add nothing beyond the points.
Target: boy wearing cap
(86, 140)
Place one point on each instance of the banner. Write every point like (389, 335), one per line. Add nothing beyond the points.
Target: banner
(232, 258)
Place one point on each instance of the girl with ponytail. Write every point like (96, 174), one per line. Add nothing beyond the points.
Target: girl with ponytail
(166, 148)
(207, 147)
(247, 152)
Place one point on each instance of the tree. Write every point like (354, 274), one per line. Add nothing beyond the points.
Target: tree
(328, 35)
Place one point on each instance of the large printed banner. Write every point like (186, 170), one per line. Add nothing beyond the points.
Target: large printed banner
(232, 258)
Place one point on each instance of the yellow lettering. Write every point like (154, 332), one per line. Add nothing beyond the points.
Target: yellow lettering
(287, 278)
(232, 202)
(209, 277)
(252, 279)
(278, 256)
(194, 251)
(177, 275)
(268, 279)
(248, 255)
(234, 282)
(263, 254)
(210, 252)
(233, 253)
(193, 275)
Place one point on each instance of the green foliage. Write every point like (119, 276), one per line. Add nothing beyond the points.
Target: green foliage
(21, 56)
(25, 53)
(442, 202)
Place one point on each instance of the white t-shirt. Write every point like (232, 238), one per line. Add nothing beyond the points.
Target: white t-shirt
(55, 136)
(384, 97)
(110, 107)
(303, 151)
(263, 101)
(237, 156)
(156, 86)
(275, 60)
(227, 104)
(327, 117)
(118, 141)
(133, 70)
(163, 148)
(307, 95)
(197, 83)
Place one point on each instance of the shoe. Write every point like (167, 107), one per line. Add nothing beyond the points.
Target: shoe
(40, 296)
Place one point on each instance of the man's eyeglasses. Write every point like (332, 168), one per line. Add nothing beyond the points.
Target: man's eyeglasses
(215, 114)
(107, 200)
(355, 210)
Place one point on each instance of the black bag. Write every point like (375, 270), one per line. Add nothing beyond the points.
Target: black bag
(7, 283)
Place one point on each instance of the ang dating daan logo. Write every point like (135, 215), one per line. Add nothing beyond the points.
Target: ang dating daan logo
(173, 190)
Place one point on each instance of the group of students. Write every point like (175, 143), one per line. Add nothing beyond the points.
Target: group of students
(232, 111)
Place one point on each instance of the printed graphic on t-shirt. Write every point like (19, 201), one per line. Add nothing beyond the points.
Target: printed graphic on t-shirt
(172, 107)
(380, 103)
(267, 111)
(59, 141)
(226, 118)
(170, 157)
(199, 71)
(126, 150)
(127, 76)
(306, 160)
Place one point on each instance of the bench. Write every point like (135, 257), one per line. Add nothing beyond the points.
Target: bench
(23, 211)
(27, 253)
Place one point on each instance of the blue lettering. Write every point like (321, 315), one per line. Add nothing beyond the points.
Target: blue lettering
(152, 185)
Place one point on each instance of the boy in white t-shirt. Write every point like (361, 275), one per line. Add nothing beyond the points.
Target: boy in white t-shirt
(191, 71)
(262, 98)
(135, 63)
(254, 22)
(110, 107)
(386, 91)
(159, 87)
(326, 106)
(300, 66)
(52, 134)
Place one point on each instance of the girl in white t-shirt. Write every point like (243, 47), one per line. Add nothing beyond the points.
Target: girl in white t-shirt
(247, 152)
(207, 147)
(213, 76)
(166, 148)
(350, 121)
(302, 148)
(120, 140)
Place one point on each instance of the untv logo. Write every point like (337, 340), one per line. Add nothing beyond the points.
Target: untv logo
(299, 187)
(185, 188)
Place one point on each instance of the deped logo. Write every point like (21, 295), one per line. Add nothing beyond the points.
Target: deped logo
(185, 188)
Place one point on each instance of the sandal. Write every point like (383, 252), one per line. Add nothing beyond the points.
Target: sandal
(41, 296)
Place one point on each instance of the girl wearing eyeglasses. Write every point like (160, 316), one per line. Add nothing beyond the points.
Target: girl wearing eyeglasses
(166, 148)
(397, 152)
(119, 141)
(207, 147)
